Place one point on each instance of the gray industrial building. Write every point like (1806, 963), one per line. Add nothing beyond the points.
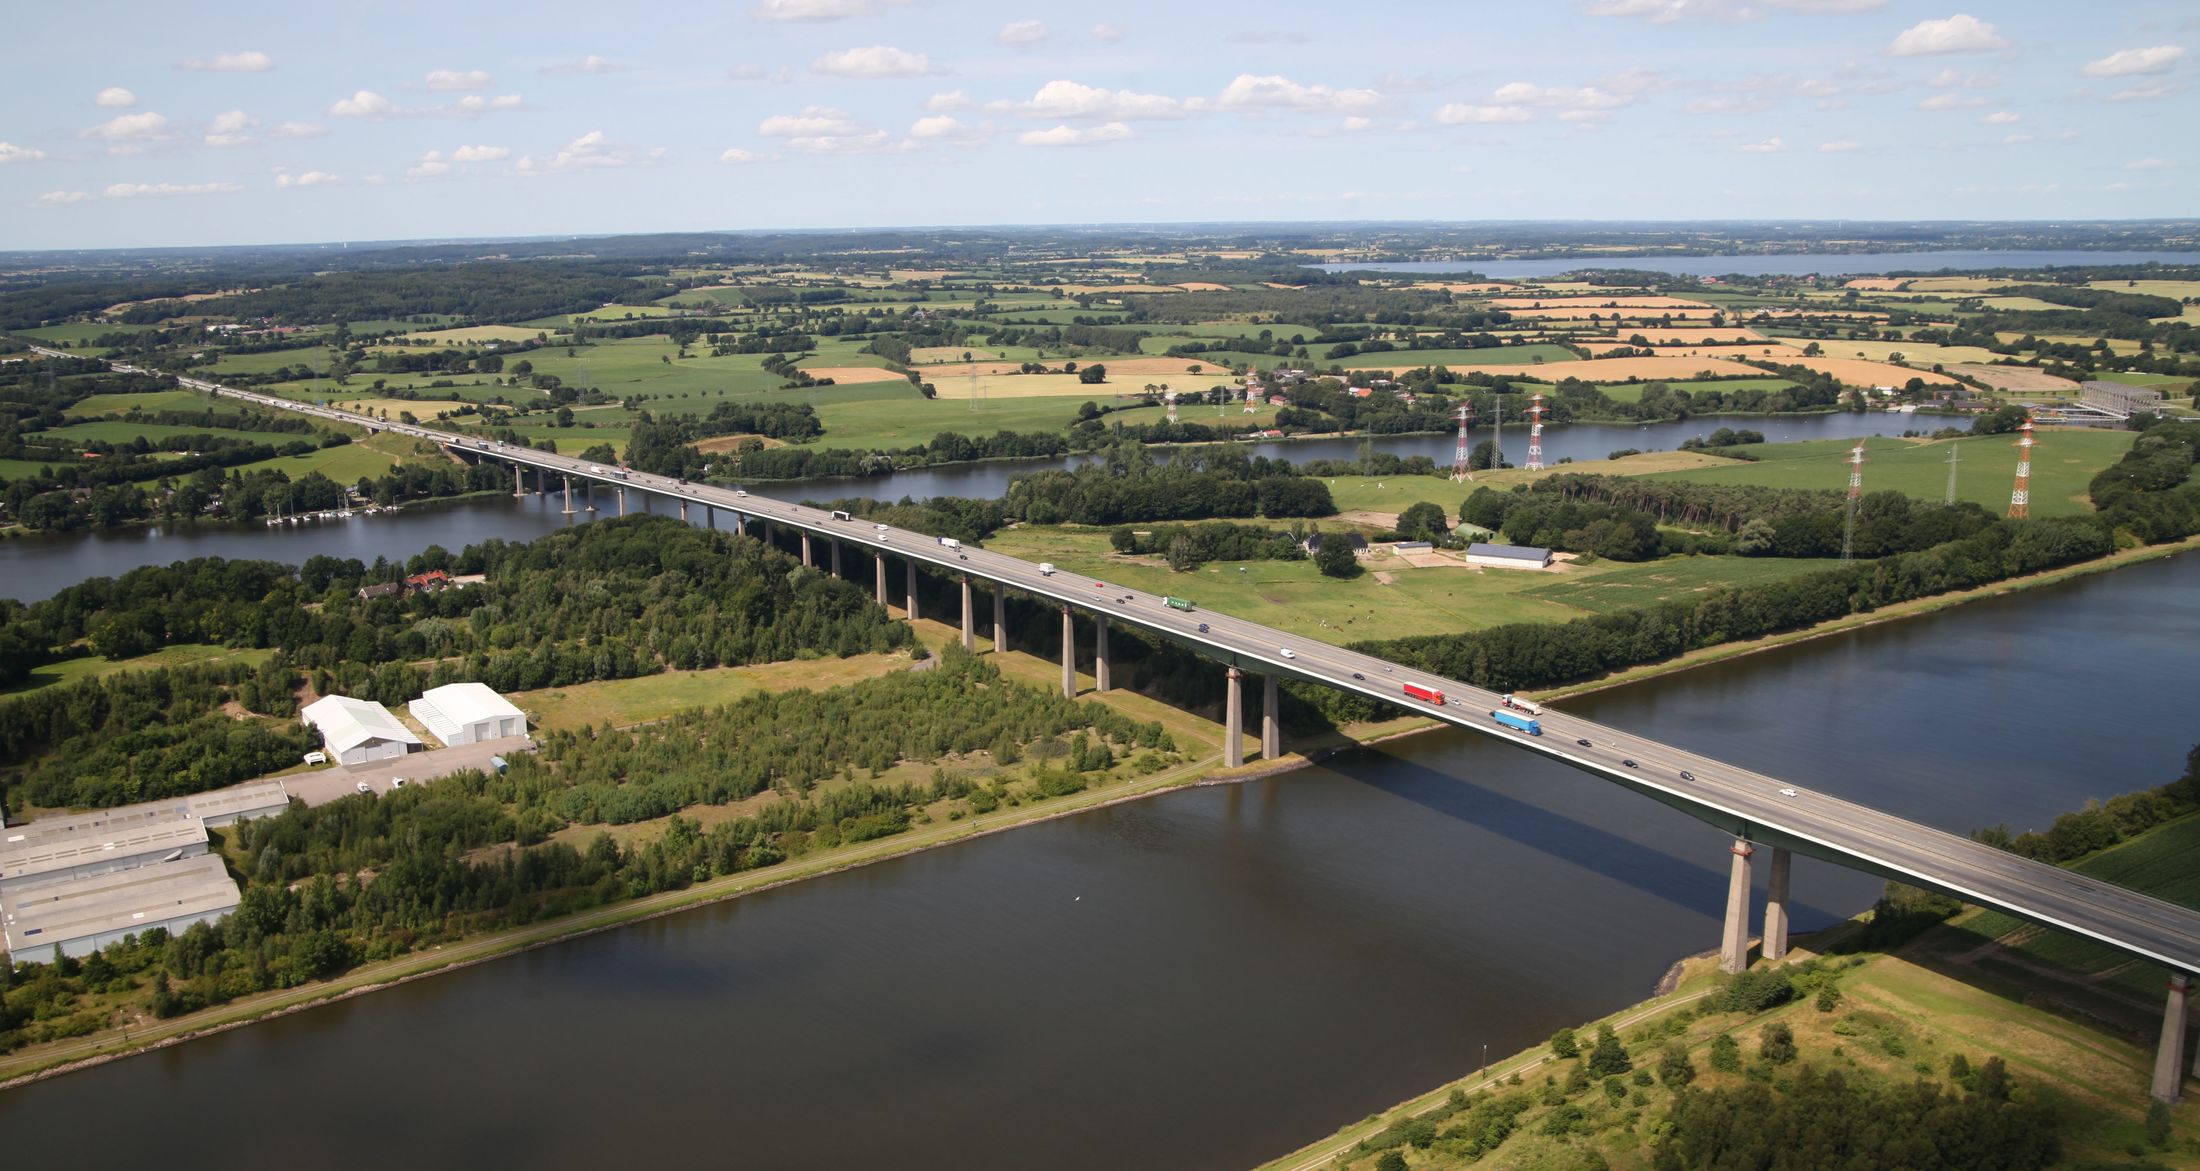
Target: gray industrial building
(1508, 556)
(87, 914)
(31, 859)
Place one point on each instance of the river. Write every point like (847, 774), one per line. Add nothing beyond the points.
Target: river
(1787, 264)
(35, 567)
(1200, 980)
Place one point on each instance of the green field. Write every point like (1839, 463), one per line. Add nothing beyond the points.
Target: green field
(1528, 355)
(2062, 465)
(1631, 392)
(345, 464)
(123, 431)
(21, 469)
(76, 333)
(1641, 585)
(151, 400)
(178, 655)
(622, 702)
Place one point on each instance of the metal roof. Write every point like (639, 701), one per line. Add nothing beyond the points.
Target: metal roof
(346, 723)
(452, 706)
(1512, 552)
(102, 904)
(24, 855)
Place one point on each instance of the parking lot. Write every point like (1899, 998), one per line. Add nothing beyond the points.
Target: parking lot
(324, 785)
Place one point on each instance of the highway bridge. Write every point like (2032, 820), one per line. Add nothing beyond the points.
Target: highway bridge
(1763, 813)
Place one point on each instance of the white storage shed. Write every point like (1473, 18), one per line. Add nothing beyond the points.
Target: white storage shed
(465, 713)
(358, 731)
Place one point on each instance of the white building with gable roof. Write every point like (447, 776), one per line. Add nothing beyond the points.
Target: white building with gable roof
(358, 731)
(463, 713)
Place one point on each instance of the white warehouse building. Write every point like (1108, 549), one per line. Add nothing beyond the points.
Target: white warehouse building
(82, 916)
(466, 713)
(358, 731)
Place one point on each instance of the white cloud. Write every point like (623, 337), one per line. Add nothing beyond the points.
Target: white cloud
(1829, 7)
(812, 122)
(1559, 97)
(2148, 91)
(1250, 92)
(1458, 114)
(2158, 59)
(1951, 78)
(248, 61)
(1355, 124)
(953, 99)
(11, 153)
(1735, 104)
(480, 154)
(815, 10)
(1838, 146)
(874, 61)
(591, 151)
(2001, 118)
(1022, 32)
(233, 128)
(114, 97)
(937, 126)
(447, 80)
(1772, 145)
(1951, 101)
(1069, 99)
(584, 66)
(364, 104)
(140, 190)
(474, 105)
(308, 179)
(1075, 135)
(1961, 33)
(735, 155)
(58, 198)
(430, 165)
(129, 128)
(1107, 32)
(2149, 164)
(1667, 11)
(298, 130)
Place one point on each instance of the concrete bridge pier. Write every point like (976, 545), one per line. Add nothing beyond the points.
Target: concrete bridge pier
(836, 556)
(1776, 905)
(805, 546)
(1271, 728)
(1734, 947)
(970, 638)
(519, 480)
(568, 495)
(710, 518)
(764, 529)
(683, 512)
(881, 561)
(740, 525)
(622, 502)
(1069, 655)
(1233, 721)
(909, 566)
(592, 496)
(2169, 1057)
(1100, 653)
(1000, 617)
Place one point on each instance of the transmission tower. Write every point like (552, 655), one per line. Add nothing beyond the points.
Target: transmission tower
(1535, 432)
(2020, 499)
(1955, 456)
(1462, 456)
(1856, 493)
(1169, 397)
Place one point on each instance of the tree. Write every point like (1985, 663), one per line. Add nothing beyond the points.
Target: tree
(1424, 521)
(1564, 1046)
(1776, 1043)
(1674, 1068)
(1334, 558)
(1093, 374)
(1726, 1056)
(1391, 1161)
(1183, 554)
(1992, 1082)
(1609, 1056)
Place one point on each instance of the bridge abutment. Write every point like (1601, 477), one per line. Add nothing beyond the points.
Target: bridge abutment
(2169, 1057)
(1271, 728)
(1776, 905)
(1734, 945)
(1233, 721)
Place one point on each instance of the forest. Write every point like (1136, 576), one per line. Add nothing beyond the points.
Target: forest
(1127, 484)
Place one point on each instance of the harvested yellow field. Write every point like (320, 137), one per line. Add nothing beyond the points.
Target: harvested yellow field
(1913, 353)
(1203, 287)
(717, 443)
(845, 375)
(1597, 303)
(1476, 287)
(2177, 290)
(919, 274)
(472, 334)
(1683, 335)
(1118, 368)
(1274, 285)
(1074, 290)
(1856, 372)
(1877, 284)
(1957, 284)
(420, 408)
(1585, 311)
(1600, 369)
(1760, 349)
(2017, 378)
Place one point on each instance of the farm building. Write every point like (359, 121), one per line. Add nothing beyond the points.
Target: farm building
(83, 916)
(1508, 556)
(357, 731)
(1313, 543)
(463, 713)
(73, 848)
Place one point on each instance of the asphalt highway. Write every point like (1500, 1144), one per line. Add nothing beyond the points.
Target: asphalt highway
(1764, 809)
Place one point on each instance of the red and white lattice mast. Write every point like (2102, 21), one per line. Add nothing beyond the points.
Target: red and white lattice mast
(1535, 432)
(1462, 457)
(1856, 496)
(2020, 499)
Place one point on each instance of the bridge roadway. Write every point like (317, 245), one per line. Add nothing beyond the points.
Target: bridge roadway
(1754, 807)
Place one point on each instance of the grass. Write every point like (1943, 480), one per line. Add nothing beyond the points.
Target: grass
(178, 655)
(1524, 356)
(1661, 581)
(622, 702)
(2062, 465)
(150, 400)
(373, 456)
(1631, 392)
(21, 469)
(123, 431)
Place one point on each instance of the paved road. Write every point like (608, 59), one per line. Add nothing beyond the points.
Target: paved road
(1764, 809)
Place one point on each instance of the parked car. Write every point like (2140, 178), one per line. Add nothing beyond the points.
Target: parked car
(316, 758)
(365, 787)
(397, 783)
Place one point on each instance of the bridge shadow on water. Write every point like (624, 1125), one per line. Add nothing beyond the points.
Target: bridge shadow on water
(1653, 871)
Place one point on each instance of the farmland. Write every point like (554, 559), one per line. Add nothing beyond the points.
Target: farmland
(2062, 465)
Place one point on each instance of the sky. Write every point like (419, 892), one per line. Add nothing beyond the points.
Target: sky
(139, 125)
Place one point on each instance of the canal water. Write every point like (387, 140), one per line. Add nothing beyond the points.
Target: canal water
(36, 567)
(1200, 980)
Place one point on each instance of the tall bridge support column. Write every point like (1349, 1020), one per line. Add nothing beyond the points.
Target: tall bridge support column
(622, 502)
(881, 560)
(2169, 1058)
(592, 496)
(764, 529)
(1271, 728)
(710, 518)
(519, 480)
(805, 550)
(1100, 653)
(1069, 655)
(970, 636)
(1233, 721)
(683, 512)
(1734, 947)
(740, 525)
(1776, 905)
(836, 556)
(1000, 618)
(568, 495)
(910, 579)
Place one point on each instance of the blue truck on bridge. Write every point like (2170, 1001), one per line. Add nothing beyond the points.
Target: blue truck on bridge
(1520, 723)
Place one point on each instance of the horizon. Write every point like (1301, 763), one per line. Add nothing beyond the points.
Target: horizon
(234, 129)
